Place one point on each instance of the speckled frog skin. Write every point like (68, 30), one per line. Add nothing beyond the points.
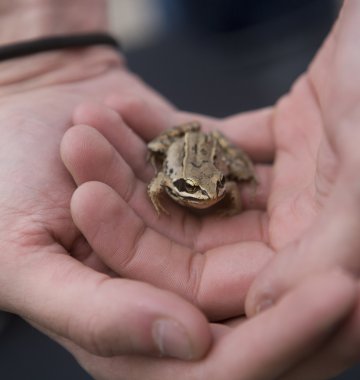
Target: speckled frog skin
(196, 169)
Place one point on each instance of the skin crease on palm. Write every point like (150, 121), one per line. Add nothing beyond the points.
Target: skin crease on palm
(50, 273)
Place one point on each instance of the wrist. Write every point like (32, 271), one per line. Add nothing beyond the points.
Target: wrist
(38, 18)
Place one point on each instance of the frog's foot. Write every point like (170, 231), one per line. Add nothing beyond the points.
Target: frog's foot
(158, 205)
(155, 191)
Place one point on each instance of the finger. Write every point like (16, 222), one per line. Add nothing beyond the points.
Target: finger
(262, 348)
(112, 127)
(307, 319)
(90, 157)
(110, 368)
(102, 315)
(252, 131)
(136, 251)
(146, 120)
(337, 354)
(149, 121)
(333, 73)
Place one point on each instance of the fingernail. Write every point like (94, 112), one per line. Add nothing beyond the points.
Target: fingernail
(172, 339)
(263, 305)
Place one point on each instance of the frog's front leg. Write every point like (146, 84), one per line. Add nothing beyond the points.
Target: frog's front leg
(155, 191)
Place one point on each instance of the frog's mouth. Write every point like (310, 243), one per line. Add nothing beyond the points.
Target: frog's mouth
(186, 199)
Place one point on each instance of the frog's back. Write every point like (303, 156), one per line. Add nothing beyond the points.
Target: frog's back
(173, 162)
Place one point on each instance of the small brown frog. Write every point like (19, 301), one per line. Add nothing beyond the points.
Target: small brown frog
(197, 169)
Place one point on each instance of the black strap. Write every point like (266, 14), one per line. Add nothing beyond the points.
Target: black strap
(41, 45)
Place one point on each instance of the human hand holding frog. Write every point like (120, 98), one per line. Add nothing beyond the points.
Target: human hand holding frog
(180, 251)
(311, 221)
(299, 333)
(49, 275)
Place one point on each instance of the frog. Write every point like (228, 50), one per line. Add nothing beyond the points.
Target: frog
(197, 169)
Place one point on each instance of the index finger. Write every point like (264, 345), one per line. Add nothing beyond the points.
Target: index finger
(135, 250)
(252, 131)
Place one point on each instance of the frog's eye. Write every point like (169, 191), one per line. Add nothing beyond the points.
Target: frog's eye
(186, 186)
(190, 187)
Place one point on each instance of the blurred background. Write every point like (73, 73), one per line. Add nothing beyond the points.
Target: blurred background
(221, 56)
(216, 57)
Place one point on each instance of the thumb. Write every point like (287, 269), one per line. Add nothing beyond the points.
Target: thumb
(333, 241)
(105, 316)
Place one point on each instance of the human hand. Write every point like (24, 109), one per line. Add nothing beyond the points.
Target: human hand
(48, 274)
(265, 347)
(311, 221)
(181, 252)
(314, 200)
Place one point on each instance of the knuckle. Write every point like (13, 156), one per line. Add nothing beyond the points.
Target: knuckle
(98, 335)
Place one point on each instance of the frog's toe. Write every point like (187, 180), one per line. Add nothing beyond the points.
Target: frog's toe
(161, 209)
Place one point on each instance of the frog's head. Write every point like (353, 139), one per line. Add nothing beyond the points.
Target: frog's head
(201, 192)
